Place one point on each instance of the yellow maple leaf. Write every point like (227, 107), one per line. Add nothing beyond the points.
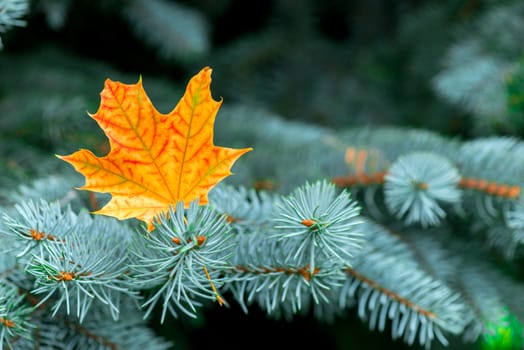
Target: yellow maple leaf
(155, 159)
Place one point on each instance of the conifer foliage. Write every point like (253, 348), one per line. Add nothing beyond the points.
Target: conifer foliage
(416, 233)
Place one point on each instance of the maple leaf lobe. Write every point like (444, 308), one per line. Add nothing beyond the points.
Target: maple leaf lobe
(155, 159)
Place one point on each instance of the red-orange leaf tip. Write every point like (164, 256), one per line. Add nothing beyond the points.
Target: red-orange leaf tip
(155, 159)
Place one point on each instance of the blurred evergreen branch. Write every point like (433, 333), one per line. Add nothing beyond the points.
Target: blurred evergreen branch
(480, 67)
(11, 13)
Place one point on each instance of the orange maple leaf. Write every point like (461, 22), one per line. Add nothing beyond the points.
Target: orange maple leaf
(155, 159)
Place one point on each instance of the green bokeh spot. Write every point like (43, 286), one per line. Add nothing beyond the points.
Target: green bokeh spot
(515, 89)
(504, 336)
